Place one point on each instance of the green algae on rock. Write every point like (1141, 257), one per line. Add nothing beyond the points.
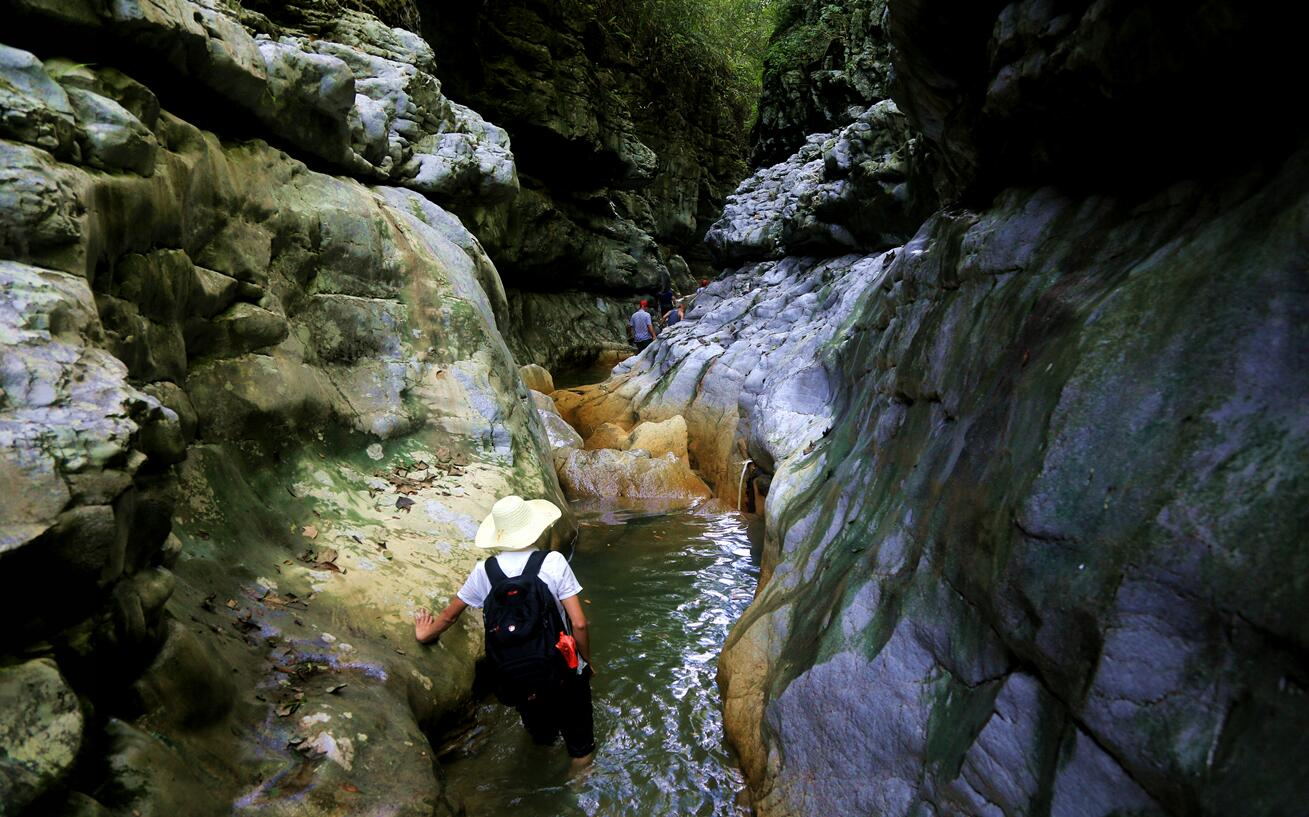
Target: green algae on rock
(40, 732)
(260, 410)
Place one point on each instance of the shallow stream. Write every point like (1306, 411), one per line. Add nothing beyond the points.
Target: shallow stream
(567, 378)
(661, 589)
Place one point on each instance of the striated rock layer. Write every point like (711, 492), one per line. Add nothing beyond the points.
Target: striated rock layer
(1034, 481)
(251, 415)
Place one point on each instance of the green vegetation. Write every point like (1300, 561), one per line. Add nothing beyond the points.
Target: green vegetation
(695, 43)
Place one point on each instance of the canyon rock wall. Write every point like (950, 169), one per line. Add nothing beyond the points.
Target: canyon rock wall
(255, 402)
(621, 173)
(1034, 480)
(826, 62)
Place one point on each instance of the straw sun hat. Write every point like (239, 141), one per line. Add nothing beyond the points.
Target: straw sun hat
(516, 523)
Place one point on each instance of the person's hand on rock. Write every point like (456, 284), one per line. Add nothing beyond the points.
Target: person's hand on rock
(425, 626)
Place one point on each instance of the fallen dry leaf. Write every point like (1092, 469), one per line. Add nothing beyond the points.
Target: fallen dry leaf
(309, 532)
(350, 787)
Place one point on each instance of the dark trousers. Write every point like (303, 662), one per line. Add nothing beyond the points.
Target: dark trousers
(641, 344)
(567, 711)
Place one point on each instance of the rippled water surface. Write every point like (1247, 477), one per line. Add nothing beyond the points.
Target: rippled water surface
(662, 590)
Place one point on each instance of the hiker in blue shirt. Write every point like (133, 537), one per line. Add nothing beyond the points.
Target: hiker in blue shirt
(642, 326)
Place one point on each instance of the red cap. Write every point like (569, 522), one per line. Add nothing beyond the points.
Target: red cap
(704, 282)
(645, 303)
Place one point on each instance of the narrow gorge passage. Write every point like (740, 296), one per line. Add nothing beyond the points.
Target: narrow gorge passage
(663, 586)
(995, 312)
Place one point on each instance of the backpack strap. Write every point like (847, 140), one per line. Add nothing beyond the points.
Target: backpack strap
(534, 563)
(493, 572)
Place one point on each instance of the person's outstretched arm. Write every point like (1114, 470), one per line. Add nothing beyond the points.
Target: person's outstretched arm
(428, 628)
(577, 618)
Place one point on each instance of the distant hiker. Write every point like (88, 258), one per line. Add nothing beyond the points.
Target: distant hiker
(642, 326)
(529, 600)
(665, 300)
(694, 296)
(675, 315)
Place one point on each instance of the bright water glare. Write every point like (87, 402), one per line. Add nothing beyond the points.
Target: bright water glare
(661, 588)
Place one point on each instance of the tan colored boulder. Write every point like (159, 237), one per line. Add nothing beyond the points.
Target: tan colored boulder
(586, 408)
(609, 435)
(668, 437)
(612, 357)
(537, 378)
(635, 475)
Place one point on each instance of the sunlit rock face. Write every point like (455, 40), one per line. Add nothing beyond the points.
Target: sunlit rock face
(1033, 478)
(254, 405)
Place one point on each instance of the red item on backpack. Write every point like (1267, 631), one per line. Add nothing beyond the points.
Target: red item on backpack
(568, 646)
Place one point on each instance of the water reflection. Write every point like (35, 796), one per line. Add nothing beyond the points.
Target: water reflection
(662, 587)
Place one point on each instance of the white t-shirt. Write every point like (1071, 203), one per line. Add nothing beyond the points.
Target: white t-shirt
(555, 572)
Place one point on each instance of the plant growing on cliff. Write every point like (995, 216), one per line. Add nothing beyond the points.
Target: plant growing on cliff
(716, 46)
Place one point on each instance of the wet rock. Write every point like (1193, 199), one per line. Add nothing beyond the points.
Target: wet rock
(608, 435)
(742, 373)
(560, 433)
(659, 439)
(536, 378)
(40, 731)
(629, 474)
(854, 382)
(655, 439)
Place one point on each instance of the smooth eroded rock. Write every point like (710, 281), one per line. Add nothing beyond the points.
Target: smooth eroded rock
(635, 475)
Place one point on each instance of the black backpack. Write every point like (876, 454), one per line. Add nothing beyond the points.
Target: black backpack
(522, 627)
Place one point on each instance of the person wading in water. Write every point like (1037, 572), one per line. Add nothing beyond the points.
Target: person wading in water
(530, 601)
